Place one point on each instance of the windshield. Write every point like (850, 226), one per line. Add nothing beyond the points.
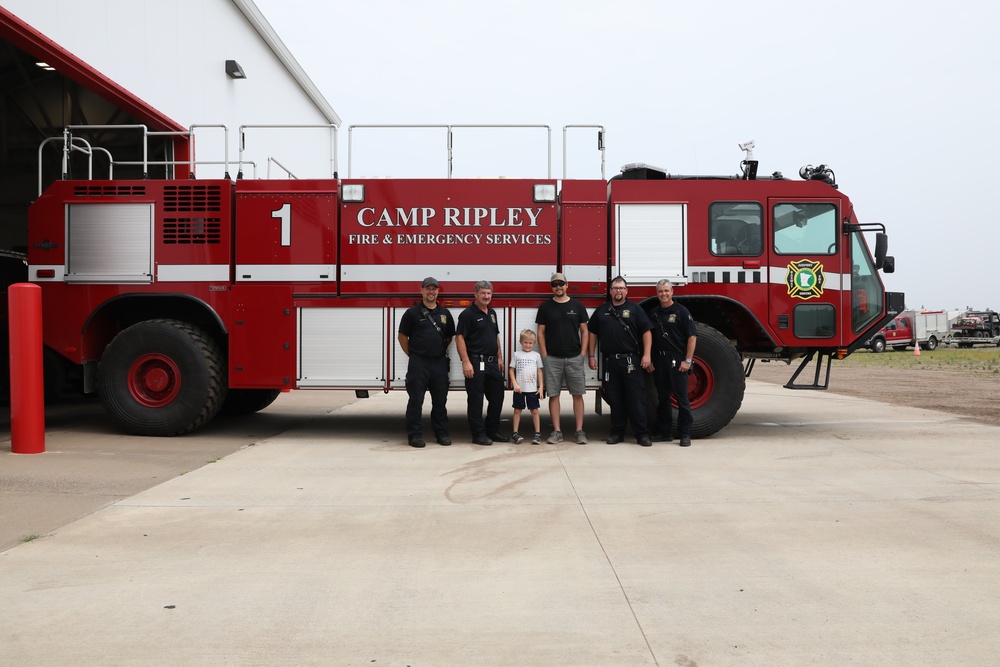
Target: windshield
(866, 289)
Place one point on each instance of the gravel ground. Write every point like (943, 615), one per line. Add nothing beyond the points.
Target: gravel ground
(969, 393)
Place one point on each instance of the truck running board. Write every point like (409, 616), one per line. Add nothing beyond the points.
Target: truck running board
(820, 355)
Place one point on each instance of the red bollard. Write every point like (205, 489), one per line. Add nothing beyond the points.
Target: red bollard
(27, 390)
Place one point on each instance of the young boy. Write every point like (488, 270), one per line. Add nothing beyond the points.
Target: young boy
(527, 379)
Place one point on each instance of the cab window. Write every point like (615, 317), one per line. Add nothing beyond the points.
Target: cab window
(805, 229)
(735, 228)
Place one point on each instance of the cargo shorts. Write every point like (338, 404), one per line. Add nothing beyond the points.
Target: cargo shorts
(565, 371)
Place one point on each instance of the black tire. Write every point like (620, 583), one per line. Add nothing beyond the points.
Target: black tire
(54, 375)
(716, 385)
(878, 345)
(932, 344)
(248, 401)
(162, 378)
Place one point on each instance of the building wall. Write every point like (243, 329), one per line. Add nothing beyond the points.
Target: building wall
(172, 55)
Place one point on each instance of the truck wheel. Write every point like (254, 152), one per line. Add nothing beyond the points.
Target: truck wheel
(932, 344)
(161, 378)
(248, 401)
(716, 385)
(878, 345)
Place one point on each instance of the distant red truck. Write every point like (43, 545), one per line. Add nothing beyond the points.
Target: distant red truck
(926, 328)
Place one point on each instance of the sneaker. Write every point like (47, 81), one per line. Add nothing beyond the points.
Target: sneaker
(556, 437)
(581, 438)
(517, 438)
(537, 440)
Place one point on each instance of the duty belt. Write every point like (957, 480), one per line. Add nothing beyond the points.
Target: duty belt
(484, 357)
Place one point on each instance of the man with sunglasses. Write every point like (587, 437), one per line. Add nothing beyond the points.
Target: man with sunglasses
(562, 342)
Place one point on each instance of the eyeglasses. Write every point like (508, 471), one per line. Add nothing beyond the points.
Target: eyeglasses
(615, 289)
(558, 283)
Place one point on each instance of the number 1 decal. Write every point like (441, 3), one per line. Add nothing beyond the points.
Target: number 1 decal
(285, 213)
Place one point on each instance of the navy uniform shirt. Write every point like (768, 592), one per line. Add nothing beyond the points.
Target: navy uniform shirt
(480, 330)
(425, 339)
(613, 337)
(672, 326)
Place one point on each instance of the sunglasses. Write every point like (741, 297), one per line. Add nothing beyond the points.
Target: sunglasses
(557, 283)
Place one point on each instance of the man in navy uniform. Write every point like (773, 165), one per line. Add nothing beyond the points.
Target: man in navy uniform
(425, 331)
(674, 340)
(478, 343)
(626, 340)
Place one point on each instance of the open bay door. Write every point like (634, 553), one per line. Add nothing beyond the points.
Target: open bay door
(650, 243)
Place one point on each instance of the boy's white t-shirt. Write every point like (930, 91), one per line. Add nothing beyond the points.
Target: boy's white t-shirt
(526, 365)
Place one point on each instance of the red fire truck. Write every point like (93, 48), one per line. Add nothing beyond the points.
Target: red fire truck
(179, 297)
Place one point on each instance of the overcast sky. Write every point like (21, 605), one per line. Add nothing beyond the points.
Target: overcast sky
(899, 98)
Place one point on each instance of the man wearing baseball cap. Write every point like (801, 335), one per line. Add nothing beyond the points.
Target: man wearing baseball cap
(425, 331)
(562, 342)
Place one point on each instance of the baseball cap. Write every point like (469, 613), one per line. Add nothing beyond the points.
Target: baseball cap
(558, 278)
(430, 282)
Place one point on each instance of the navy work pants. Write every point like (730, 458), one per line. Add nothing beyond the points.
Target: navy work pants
(671, 381)
(489, 384)
(626, 394)
(425, 374)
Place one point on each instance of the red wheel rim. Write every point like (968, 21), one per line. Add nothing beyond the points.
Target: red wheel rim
(701, 384)
(154, 380)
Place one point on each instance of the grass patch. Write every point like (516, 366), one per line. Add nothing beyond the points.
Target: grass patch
(30, 538)
(983, 359)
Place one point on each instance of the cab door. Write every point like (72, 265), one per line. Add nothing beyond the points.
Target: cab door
(806, 274)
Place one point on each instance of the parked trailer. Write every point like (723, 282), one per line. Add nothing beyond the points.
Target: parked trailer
(976, 327)
(177, 298)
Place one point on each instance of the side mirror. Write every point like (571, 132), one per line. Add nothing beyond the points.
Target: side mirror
(881, 248)
(889, 264)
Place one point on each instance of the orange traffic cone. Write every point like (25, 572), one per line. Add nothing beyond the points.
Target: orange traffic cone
(916, 350)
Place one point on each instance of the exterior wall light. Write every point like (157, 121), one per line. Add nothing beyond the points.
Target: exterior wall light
(234, 70)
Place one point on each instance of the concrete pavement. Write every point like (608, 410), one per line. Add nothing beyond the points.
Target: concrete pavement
(817, 529)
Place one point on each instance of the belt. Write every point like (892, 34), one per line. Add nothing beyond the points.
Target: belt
(484, 358)
(622, 355)
(666, 353)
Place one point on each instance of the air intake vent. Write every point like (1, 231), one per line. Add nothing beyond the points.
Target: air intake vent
(191, 231)
(179, 198)
(109, 191)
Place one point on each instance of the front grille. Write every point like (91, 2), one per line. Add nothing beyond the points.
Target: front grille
(192, 231)
(179, 198)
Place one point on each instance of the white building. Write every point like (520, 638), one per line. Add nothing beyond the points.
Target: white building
(166, 66)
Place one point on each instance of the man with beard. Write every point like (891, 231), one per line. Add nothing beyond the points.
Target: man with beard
(626, 340)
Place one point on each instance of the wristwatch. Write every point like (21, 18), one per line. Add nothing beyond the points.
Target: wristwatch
(689, 361)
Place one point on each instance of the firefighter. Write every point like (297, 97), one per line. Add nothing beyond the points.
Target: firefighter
(562, 342)
(478, 343)
(425, 331)
(626, 339)
(674, 340)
